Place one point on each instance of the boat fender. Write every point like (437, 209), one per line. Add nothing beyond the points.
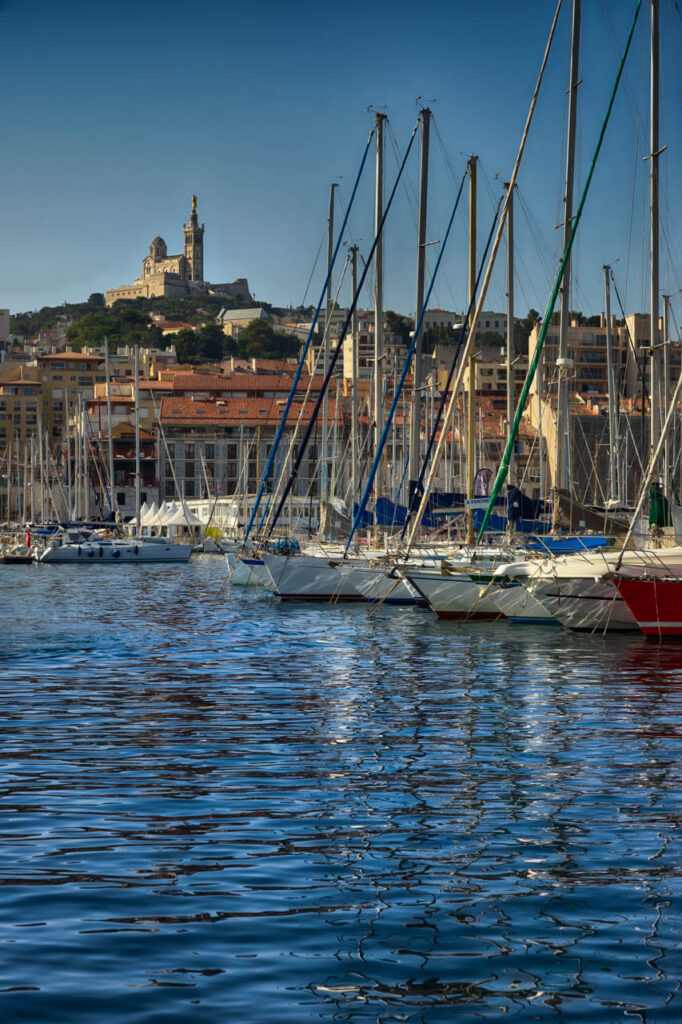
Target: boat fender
(115, 554)
(91, 554)
(79, 550)
(101, 552)
(137, 550)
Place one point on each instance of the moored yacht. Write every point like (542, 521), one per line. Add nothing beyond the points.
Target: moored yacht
(80, 547)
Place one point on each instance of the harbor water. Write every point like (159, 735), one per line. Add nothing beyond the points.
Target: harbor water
(218, 807)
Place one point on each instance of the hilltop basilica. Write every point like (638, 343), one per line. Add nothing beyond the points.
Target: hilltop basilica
(177, 276)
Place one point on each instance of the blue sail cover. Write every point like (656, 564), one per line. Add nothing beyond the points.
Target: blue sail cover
(520, 506)
(498, 524)
(441, 506)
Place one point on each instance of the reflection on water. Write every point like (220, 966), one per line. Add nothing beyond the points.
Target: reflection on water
(217, 807)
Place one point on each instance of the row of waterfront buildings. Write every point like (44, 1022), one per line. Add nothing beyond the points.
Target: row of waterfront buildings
(207, 431)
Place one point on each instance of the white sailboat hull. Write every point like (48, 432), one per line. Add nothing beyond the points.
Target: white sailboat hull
(115, 553)
(248, 571)
(520, 606)
(583, 603)
(309, 578)
(454, 597)
(374, 584)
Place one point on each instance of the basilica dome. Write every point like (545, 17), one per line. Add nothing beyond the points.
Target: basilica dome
(158, 249)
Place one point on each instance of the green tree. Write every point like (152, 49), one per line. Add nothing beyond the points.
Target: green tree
(186, 345)
(399, 324)
(259, 340)
(492, 338)
(211, 343)
(90, 330)
(97, 300)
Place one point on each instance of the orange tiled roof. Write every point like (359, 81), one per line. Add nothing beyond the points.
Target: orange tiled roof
(239, 382)
(231, 412)
(71, 355)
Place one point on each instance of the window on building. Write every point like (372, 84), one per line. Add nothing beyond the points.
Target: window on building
(120, 497)
(189, 489)
(209, 451)
(189, 451)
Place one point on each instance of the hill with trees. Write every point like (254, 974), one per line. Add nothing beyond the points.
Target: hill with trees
(129, 322)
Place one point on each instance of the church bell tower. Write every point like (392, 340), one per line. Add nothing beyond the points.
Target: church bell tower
(194, 245)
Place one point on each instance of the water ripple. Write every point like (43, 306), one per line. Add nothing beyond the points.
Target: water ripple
(218, 806)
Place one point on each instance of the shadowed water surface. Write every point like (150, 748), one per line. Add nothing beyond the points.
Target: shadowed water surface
(216, 807)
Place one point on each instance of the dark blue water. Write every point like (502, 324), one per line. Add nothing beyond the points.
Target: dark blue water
(216, 808)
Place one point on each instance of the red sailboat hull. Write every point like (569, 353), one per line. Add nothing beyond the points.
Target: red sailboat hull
(655, 604)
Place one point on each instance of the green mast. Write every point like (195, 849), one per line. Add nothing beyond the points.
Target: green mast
(504, 466)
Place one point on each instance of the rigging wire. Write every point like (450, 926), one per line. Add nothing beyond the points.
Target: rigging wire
(264, 522)
(304, 352)
(502, 473)
(408, 360)
(337, 350)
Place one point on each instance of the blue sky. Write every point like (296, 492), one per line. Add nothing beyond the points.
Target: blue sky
(115, 112)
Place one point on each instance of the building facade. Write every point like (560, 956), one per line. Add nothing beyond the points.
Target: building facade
(176, 275)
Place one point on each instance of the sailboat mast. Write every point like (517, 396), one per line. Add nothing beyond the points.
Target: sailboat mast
(76, 458)
(324, 454)
(379, 297)
(41, 442)
(655, 375)
(137, 438)
(67, 436)
(471, 394)
(415, 414)
(666, 384)
(17, 479)
(510, 325)
(111, 441)
(8, 453)
(24, 503)
(613, 393)
(354, 381)
(564, 362)
(86, 478)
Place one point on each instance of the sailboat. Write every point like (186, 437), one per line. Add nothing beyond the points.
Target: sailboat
(84, 546)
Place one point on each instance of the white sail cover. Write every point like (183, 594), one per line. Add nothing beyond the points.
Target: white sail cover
(166, 513)
(151, 516)
(143, 512)
(183, 517)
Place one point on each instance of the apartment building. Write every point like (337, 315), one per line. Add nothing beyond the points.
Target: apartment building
(222, 446)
